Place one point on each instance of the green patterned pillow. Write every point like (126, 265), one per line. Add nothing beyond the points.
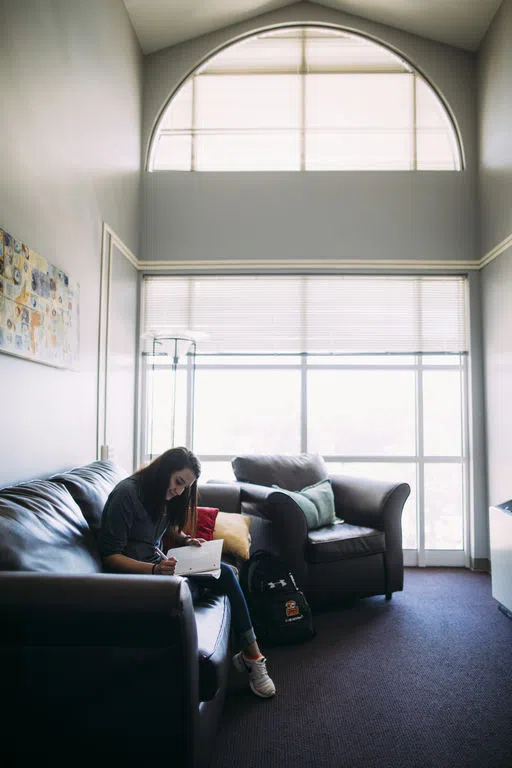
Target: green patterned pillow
(316, 501)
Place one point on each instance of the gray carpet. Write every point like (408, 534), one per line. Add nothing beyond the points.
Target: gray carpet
(419, 682)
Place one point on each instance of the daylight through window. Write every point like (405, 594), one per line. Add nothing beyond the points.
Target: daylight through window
(305, 98)
(368, 371)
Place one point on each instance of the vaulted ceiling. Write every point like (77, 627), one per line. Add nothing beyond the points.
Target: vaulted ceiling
(162, 23)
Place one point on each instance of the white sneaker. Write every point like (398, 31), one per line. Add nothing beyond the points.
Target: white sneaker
(259, 680)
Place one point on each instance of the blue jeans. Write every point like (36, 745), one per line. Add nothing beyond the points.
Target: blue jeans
(227, 584)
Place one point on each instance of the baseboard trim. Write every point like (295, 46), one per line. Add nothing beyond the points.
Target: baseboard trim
(480, 564)
(505, 610)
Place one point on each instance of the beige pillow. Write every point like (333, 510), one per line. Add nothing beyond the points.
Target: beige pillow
(234, 529)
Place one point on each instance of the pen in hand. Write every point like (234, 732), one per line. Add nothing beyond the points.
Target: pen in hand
(167, 565)
(161, 554)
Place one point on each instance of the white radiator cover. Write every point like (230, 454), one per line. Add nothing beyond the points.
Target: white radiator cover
(500, 528)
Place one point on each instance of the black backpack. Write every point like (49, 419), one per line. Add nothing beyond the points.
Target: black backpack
(279, 610)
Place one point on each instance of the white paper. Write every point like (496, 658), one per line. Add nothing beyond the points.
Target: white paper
(204, 559)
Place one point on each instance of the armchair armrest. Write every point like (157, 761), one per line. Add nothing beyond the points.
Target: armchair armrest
(376, 504)
(290, 531)
(373, 503)
(254, 498)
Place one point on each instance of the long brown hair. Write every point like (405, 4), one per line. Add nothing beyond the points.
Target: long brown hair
(154, 482)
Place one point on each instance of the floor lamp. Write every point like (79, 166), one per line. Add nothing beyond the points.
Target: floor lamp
(173, 347)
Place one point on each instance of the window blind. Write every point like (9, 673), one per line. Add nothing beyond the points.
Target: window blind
(310, 313)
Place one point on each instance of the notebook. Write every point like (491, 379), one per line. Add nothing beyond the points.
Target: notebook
(204, 559)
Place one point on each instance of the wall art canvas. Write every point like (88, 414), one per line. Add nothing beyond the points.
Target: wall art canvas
(39, 310)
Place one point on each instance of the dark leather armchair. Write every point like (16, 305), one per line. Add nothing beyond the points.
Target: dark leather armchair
(359, 557)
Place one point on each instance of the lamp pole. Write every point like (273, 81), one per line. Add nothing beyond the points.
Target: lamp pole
(173, 350)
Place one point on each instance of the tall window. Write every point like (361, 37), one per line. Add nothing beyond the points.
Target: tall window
(368, 371)
(305, 98)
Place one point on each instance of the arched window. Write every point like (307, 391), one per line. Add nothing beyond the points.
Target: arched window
(305, 98)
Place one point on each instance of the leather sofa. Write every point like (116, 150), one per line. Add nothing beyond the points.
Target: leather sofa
(359, 557)
(97, 667)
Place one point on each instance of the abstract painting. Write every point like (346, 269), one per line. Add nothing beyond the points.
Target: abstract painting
(39, 313)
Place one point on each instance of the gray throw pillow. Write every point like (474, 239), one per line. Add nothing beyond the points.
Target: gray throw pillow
(316, 502)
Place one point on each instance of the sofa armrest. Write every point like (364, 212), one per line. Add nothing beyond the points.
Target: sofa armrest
(224, 496)
(85, 654)
(373, 503)
(94, 608)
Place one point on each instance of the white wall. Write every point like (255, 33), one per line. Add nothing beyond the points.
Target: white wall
(495, 130)
(71, 85)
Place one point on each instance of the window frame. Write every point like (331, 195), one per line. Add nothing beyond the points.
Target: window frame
(419, 364)
(454, 137)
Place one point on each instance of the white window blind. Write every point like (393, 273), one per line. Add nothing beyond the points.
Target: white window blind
(310, 313)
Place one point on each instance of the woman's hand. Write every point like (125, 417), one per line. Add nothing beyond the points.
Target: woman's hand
(194, 542)
(165, 567)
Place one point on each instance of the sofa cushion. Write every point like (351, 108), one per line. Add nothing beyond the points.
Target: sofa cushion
(316, 502)
(343, 541)
(292, 472)
(90, 486)
(212, 614)
(42, 529)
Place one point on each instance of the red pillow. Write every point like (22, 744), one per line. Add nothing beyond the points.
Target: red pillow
(206, 517)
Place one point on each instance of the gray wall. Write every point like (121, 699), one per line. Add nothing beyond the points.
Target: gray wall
(415, 216)
(70, 133)
(408, 216)
(495, 130)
